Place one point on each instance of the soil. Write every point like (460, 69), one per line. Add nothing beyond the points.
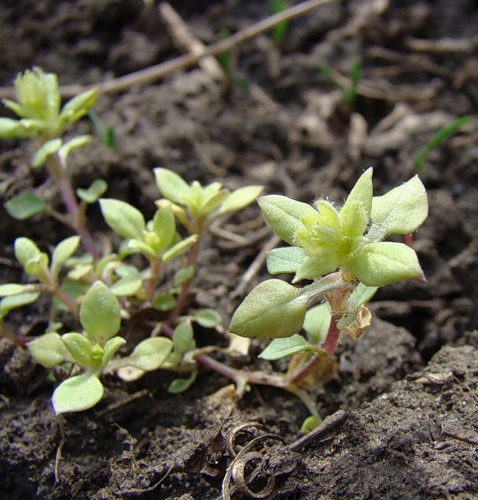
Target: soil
(406, 391)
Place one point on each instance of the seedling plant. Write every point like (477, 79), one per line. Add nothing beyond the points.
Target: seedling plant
(338, 252)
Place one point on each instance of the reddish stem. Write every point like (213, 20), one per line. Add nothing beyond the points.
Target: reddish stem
(60, 174)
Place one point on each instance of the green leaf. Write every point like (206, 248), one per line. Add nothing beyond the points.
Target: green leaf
(362, 295)
(25, 205)
(164, 302)
(362, 193)
(100, 313)
(150, 354)
(77, 394)
(314, 267)
(208, 318)
(171, 185)
(50, 147)
(285, 260)
(49, 350)
(240, 198)
(164, 226)
(180, 248)
(80, 348)
(13, 129)
(72, 144)
(78, 107)
(317, 323)
(123, 218)
(183, 338)
(25, 250)
(273, 309)
(179, 385)
(18, 300)
(285, 215)
(110, 348)
(183, 275)
(63, 251)
(400, 211)
(7, 289)
(284, 348)
(380, 264)
(94, 192)
(127, 286)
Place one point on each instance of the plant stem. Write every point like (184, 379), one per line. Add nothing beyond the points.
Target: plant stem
(153, 281)
(59, 173)
(332, 338)
(183, 294)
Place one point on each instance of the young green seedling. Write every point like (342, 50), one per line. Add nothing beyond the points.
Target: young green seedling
(196, 207)
(42, 118)
(341, 253)
(92, 350)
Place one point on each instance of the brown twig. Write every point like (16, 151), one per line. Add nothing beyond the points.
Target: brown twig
(186, 41)
(164, 69)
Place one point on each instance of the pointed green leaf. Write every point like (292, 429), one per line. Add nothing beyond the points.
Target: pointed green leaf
(380, 264)
(273, 309)
(126, 286)
(110, 348)
(284, 348)
(63, 251)
(72, 144)
(25, 205)
(25, 250)
(150, 354)
(49, 350)
(179, 385)
(100, 313)
(284, 215)
(317, 322)
(80, 348)
(123, 218)
(77, 394)
(164, 226)
(285, 260)
(94, 192)
(183, 275)
(314, 267)
(180, 248)
(183, 338)
(18, 300)
(171, 185)
(208, 318)
(40, 157)
(78, 107)
(362, 193)
(7, 289)
(13, 129)
(240, 198)
(400, 211)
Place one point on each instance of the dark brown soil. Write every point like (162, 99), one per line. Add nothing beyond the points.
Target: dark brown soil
(409, 385)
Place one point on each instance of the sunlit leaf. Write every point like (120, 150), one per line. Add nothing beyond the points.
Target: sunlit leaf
(123, 218)
(78, 393)
(49, 350)
(273, 309)
(100, 313)
(285, 347)
(284, 215)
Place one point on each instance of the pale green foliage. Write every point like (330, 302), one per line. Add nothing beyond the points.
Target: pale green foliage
(326, 239)
(38, 106)
(196, 206)
(92, 350)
